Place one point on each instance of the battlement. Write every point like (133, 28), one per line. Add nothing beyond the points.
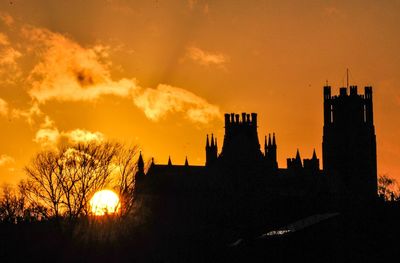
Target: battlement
(347, 107)
(246, 120)
(343, 93)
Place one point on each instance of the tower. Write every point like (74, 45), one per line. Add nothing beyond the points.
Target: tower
(211, 150)
(241, 139)
(349, 142)
(270, 151)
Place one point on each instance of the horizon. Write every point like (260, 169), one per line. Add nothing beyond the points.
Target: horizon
(161, 74)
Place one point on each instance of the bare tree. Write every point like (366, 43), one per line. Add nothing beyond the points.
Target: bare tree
(11, 205)
(125, 172)
(86, 169)
(65, 179)
(32, 210)
(43, 182)
(388, 188)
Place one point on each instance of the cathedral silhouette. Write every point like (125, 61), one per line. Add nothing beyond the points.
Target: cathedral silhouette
(243, 180)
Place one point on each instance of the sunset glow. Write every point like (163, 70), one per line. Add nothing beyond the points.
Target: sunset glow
(161, 74)
(104, 202)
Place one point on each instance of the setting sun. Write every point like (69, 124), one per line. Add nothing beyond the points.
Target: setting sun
(104, 202)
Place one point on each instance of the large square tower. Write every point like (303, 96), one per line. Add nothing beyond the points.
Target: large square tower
(349, 143)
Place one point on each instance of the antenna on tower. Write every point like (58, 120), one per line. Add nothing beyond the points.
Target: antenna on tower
(347, 78)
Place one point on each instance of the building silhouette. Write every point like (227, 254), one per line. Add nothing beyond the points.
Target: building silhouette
(243, 171)
(349, 143)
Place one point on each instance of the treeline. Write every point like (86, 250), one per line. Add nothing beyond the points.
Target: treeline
(60, 182)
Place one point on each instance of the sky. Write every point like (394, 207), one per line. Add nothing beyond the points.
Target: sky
(161, 74)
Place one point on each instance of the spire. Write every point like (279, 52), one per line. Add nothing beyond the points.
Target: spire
(269, 139)
(169, 160)
(140, 163)
(265, 144)
(207, 142)
(298, 155)
(212, 140)
(273, 139)
(216, 145)
(314, 155)
(186, 162)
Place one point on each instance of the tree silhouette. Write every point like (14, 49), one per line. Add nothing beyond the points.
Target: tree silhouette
(64, 180)
(15, 207)
(124, 181)
(12, 205)
(388, 188)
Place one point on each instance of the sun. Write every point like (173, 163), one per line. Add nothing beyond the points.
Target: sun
(104, 202)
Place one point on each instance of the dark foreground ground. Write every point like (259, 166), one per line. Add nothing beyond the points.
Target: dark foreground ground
(367, 234)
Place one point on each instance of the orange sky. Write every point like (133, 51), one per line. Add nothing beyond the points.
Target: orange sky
(160, 74)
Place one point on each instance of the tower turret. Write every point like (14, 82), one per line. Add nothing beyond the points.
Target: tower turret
(140, 172)
(272, 150)
(211, 150)
(265, 147)
(311, 165)
(298, 159)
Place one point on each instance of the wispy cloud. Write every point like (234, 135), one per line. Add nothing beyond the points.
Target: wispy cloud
(206, 58)
(6, 159)
(3, 107)
(9, 70)
(29, 114)
(156, 103)
(47, 137)
(6, 19)
(64, 70)
(79, 135)
(51, 136)
(69, 72)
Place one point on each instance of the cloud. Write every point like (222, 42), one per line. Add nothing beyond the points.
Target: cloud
(79, 135)
(6, 159)
(3, 107)
(9, 70)
(47, 137)
(51, 137)
(29, 114)
(206, 58)
(8, 54)
(156, 103)
(70, 72)
(6, 19)
(64, 70)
